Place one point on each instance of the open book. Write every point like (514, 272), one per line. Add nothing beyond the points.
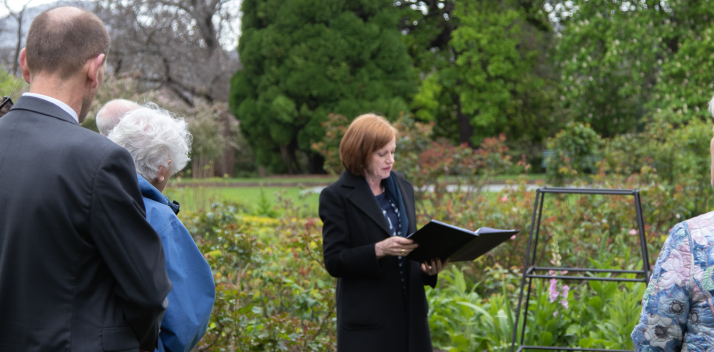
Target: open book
(439, 240)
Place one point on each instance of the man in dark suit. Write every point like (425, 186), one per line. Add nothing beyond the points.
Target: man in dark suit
(80, 268)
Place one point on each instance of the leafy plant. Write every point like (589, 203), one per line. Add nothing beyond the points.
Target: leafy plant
(272, 292)
(575, 150)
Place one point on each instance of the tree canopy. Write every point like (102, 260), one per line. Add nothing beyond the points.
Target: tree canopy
(305, 59)
(473, 68)
(493, 78)
(621, 62)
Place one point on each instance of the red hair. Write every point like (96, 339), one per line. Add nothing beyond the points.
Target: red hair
(366, 134)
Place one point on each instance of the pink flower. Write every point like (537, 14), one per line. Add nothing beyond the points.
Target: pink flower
(555, 314)
(633, 232)
(553, 291)
(513, 237)
(504, 199)
(564, 303)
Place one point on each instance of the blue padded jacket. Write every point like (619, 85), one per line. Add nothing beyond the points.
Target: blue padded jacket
(191, 299)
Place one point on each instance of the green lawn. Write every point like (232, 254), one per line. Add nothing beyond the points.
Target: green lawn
(193, 196)
(306, 180)
(199, 198)
(267, 181)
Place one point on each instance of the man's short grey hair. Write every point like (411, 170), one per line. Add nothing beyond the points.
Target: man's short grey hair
(153, 136)
(110, 114)
(711, 107)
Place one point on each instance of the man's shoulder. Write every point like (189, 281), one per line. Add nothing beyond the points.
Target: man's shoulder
(98, 142)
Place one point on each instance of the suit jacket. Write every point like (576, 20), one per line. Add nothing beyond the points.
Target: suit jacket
(80, 267)
(370, 298)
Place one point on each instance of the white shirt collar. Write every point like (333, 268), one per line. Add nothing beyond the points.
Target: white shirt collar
(52, 100)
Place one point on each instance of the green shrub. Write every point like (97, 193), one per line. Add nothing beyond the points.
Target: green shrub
(575, 150)
(272, 292)
(431, 166)
(11, 86)
(669, 155)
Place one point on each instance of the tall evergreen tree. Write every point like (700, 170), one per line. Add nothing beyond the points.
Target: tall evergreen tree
(304, 59)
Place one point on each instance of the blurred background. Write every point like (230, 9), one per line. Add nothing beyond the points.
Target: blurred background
(258, 78)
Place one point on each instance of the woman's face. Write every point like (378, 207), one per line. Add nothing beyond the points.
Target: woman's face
(382, 161)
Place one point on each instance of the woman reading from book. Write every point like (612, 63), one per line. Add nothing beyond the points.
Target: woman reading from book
(367, 213)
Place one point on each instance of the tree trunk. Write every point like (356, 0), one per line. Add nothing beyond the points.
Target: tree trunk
(286, 159)
(227, 159)
(202, 167)
(288, 154)
(315, 164)
(466, 131)
(15, 62)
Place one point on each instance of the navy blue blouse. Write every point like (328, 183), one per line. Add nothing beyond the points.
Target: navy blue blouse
(390, 211)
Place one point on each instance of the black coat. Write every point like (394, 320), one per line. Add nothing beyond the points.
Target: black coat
(80, 267)
(370, 298)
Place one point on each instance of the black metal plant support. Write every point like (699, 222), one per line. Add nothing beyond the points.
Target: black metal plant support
(531, 271)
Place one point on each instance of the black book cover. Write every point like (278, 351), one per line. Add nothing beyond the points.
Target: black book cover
(439, 240)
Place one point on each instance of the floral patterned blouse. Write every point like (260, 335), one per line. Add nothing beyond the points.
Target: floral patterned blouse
(677, 309)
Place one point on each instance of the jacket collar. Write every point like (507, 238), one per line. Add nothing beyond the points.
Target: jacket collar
(408, 199)
(43, 107)
(364, 199)
(149, 191)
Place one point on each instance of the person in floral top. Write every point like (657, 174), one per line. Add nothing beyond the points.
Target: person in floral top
(677, 308)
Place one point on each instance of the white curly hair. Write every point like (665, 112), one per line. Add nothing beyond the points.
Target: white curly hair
(153, 136)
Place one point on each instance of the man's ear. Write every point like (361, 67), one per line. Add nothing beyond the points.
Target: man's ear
(23, 66)
(95, 65)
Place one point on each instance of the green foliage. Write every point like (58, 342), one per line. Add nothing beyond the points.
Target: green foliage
(304, 59)
(672, 155)
(461, 320)
(575, 149)
(596, 315)
(619, 63)
(265, 208)
(272, 292)
(435, 168)
(491, 78)
(496, 57)
(11, 86)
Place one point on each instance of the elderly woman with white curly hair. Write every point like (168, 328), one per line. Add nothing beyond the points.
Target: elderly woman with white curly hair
(159, 145)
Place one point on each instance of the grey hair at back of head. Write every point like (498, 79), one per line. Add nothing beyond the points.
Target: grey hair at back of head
(110, 114)
(711, 106)
(153, 137)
